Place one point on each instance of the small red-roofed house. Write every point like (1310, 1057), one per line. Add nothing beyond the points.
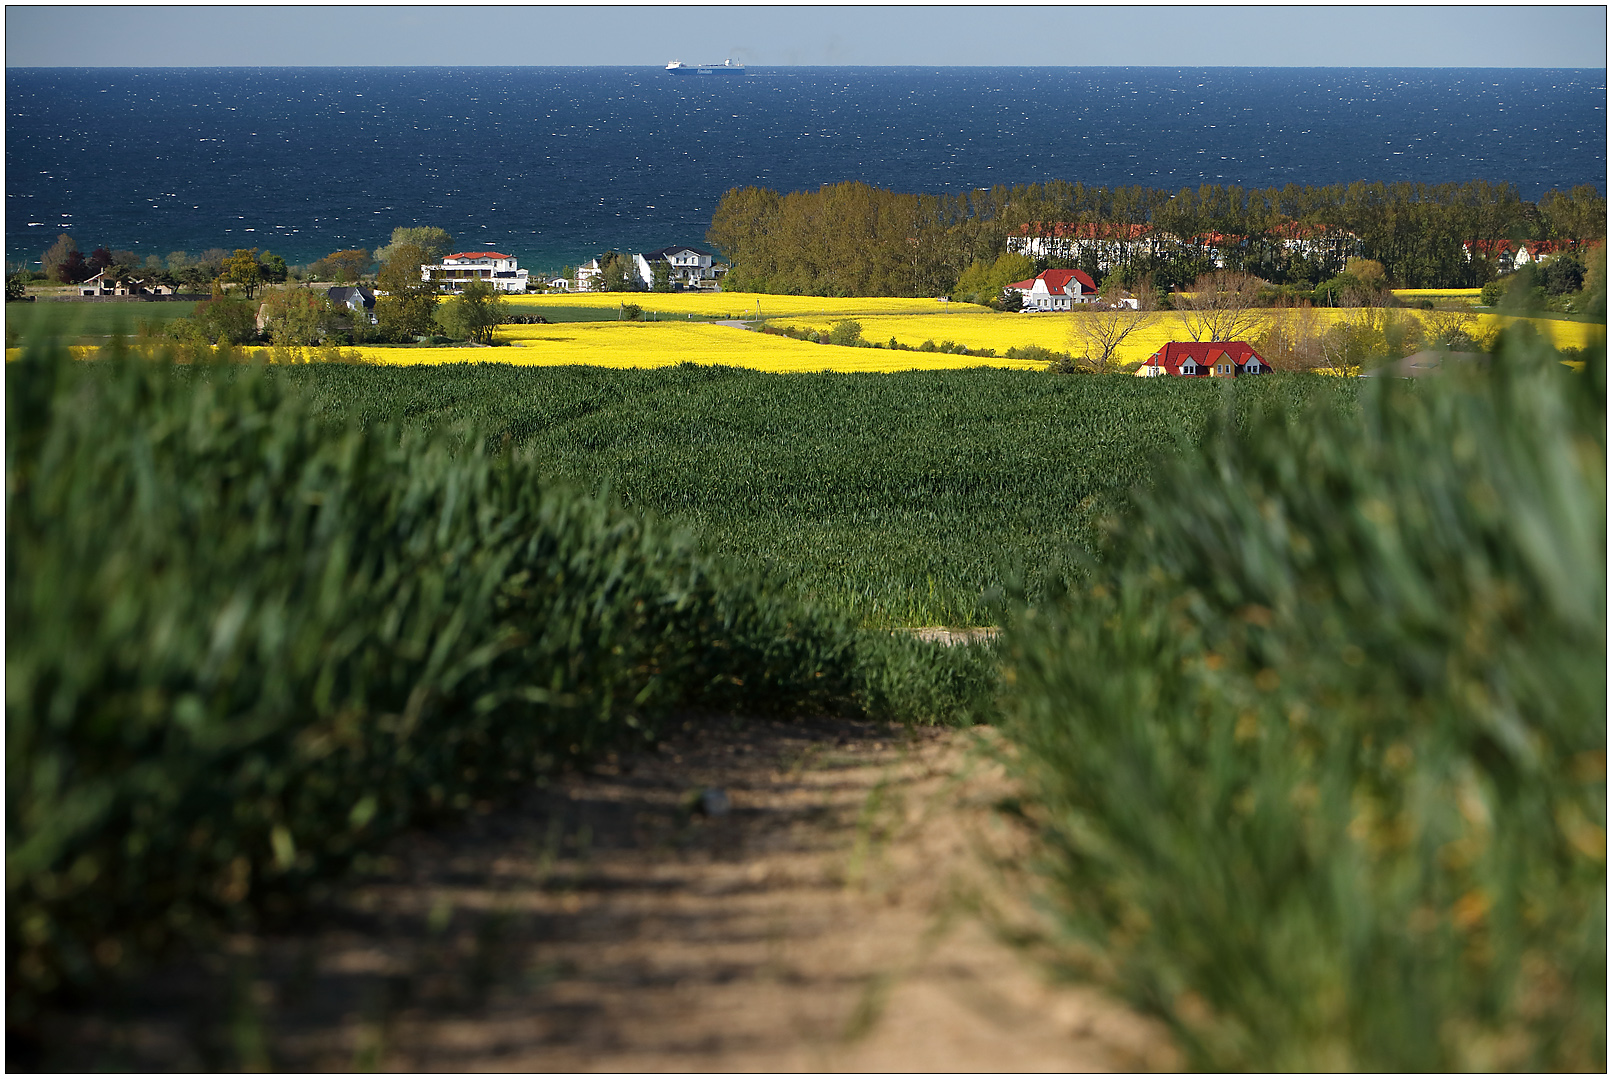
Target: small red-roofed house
(1204, 359)
(1055, 290)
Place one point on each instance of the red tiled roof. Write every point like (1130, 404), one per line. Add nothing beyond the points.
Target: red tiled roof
(1205, 353)
(1058, 280)
(478, 255)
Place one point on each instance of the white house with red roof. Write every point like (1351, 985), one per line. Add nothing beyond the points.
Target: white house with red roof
(498, 270)
(1055, 290)
(1204, 359)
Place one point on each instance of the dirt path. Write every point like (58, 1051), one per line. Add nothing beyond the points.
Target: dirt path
(825, 921)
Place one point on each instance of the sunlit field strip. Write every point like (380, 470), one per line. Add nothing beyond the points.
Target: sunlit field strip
(1561, 333)
(1002, 331)
(663, 344)
(78, 352)
(1437, 293)
(741, 305)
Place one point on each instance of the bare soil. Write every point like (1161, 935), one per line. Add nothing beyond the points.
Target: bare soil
(833, 915)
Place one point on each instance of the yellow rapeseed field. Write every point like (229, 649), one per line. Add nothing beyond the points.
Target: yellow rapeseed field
(662, 344)
(739, 305)
(1002, 331)
(1437, 293)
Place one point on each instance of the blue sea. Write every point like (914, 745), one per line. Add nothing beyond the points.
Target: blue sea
(555, 165)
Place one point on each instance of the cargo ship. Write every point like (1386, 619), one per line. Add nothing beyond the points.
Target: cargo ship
(726, 67)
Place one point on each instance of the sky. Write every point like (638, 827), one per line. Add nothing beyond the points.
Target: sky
(52, 35)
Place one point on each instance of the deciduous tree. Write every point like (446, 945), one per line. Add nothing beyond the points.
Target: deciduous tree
(1222, 306)
(1453, 330)
(225, 319)
(1097, 332)
(615, 273)
(64, 262)
(275, 271)
(435, 242)
(408, 303)
(242, 269)
(296, 316)
(474, 314)
(1290, 340)
(345, 267)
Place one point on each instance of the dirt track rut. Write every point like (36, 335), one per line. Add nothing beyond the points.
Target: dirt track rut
(827, 921)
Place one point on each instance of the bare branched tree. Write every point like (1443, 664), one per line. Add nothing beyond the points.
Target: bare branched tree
(1456, 331)
(1291, 339)
(1222, 306)
(1097, 333)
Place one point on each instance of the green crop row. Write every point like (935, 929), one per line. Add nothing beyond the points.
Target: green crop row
(1318, 745)
(245, 643)
(897, 499)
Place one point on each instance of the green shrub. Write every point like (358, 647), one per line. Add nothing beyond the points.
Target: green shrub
(245, 643)
(1319, 750)
(846, 332)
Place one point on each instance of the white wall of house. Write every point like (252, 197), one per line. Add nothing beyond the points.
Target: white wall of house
(1043, 299)
(688, 265)
(499, 271)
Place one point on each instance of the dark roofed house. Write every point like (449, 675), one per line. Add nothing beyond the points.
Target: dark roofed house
(691, 266)
(353, 297)
(1204, 359)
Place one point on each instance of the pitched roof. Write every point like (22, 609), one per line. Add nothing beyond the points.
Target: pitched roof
(1058, 280)
(344, 293)
(476, 255)
(651, 256)
(1204, 353)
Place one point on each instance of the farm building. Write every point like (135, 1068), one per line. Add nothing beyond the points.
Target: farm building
(1204, 359)
(1055, 290)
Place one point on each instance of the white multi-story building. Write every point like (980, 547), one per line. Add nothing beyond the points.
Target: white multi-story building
(497, 270)
(689, 265)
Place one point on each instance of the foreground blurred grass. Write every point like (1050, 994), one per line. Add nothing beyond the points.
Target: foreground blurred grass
(246, 643)
(1319, 749)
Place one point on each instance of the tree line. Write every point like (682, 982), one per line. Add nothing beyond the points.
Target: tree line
(852, 239)
(64, 263)
(408, 308)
